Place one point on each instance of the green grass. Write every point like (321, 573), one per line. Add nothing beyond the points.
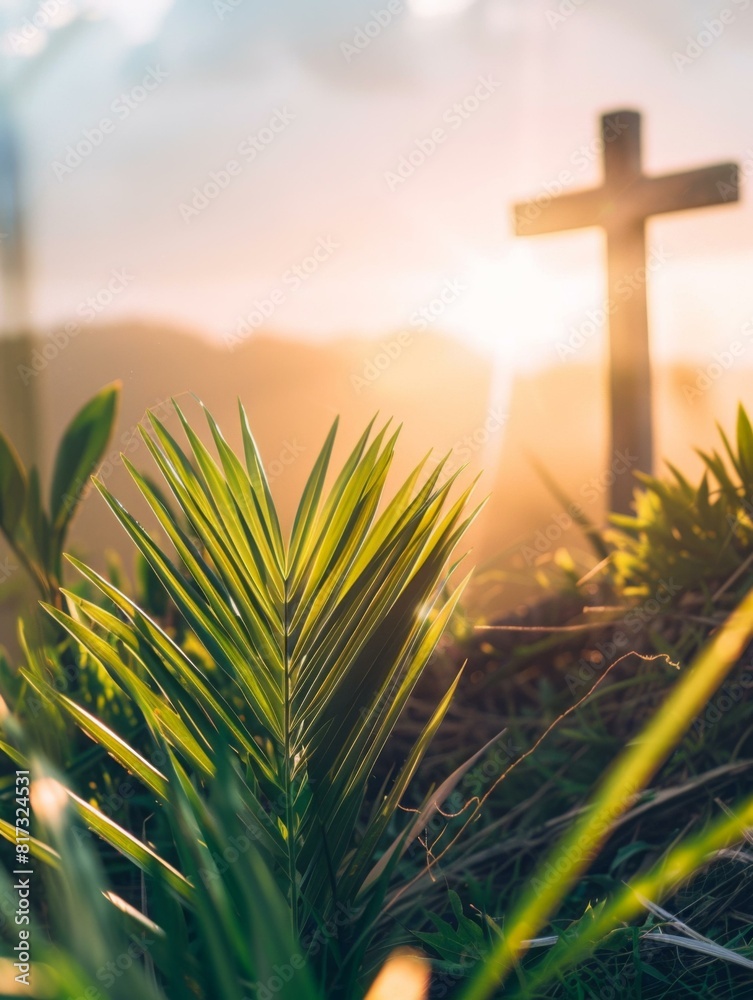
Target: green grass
(262, 759)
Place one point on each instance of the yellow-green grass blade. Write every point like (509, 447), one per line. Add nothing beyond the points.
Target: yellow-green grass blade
(679, 865)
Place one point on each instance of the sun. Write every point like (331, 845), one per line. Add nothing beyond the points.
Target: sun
(514, 306)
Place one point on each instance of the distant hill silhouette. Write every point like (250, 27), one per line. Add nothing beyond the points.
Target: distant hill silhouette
(436, 386)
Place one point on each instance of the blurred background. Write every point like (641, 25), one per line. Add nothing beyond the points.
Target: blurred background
(308, 206)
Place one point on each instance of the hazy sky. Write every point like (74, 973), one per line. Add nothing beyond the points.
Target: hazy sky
(303, 112)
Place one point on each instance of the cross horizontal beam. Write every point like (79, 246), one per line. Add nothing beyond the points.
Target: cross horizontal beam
(642, 198)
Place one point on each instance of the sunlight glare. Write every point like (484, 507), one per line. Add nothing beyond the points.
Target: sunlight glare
(513, 306)
(139, 19)
(438, 8)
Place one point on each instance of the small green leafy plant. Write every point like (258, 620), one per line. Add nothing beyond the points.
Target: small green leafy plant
(36, 532)
(697, 535)
(690, 544)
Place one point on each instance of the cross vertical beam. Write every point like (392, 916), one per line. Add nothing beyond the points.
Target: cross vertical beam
(621, 206)
(631, 413)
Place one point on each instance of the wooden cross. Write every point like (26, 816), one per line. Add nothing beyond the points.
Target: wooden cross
(621, 206)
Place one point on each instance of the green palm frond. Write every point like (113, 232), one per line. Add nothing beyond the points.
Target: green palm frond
(302, 656)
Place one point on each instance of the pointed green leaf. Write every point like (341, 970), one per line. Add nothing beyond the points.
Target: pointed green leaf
(12, 487)
(80, 451)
